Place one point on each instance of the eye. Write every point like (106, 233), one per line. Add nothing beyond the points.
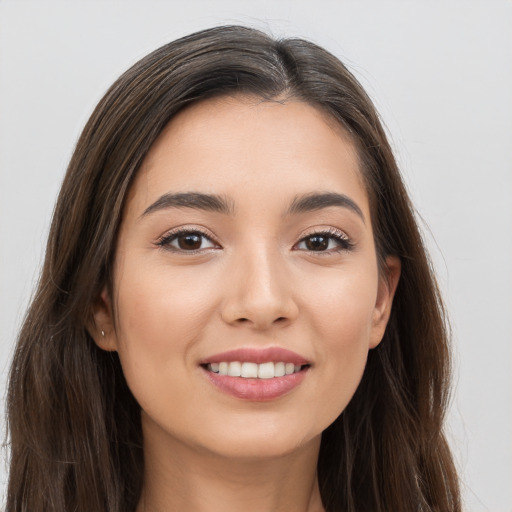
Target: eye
(186, 240)
(332, 240)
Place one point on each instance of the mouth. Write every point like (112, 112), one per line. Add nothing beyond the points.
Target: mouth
(252, 370)
(256, 374)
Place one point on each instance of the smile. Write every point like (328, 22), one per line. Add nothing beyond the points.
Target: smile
(250, 370)
(256, 374)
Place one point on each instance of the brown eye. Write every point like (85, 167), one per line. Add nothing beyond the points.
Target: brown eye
(190, 242)
(187, 241)
(325, 242)
(316, 243)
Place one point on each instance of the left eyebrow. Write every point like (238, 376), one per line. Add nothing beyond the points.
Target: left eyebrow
(318, 200)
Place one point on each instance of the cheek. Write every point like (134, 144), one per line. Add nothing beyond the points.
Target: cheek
(161, 315)
(161, 305)
(343, 304)
(342, 312)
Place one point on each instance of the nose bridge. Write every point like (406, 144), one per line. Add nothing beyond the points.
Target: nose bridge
(260, 289)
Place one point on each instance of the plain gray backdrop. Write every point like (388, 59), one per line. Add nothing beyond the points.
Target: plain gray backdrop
(440, 73)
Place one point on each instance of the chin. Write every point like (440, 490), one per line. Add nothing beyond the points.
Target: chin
(263, 448)
(259, 438)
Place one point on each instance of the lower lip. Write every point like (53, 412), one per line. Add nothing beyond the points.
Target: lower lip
(256, 390)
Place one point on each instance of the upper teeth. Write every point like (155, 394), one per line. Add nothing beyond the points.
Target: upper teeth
(253, 370)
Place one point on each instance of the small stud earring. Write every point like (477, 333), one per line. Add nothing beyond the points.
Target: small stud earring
(103, 333)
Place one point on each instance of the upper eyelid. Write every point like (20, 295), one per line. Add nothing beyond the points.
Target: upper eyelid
(332, 231)
(165, 240)
(207, 233)
(340, 236)
(188, 229)
(329, 231)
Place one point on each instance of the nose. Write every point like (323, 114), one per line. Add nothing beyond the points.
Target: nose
(259, 291)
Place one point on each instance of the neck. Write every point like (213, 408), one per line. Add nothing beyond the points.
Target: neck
(179, 477)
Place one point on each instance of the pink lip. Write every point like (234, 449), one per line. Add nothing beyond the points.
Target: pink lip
(261, 355)
(258, 390)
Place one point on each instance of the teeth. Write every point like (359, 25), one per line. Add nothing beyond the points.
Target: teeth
(249, 370)
(253, 370)
(279, 370)
(223, 368)
(266, 371)
(234, 369)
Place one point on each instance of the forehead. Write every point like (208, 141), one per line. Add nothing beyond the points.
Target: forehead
(247, 147)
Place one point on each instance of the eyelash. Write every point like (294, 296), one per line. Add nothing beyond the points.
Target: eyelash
(344, 243)
(165, 241)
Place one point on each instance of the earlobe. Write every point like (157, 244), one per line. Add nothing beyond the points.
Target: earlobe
(102, 327)
(388, 282)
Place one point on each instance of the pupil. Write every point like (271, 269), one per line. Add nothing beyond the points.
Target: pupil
(189, 242)
(317, 243)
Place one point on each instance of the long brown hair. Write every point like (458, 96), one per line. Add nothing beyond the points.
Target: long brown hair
(74, 426)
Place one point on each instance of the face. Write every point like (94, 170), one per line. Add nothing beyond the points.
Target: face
(246, 288)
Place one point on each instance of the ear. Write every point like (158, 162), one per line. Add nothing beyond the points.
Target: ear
(388, 282)
(102, 328)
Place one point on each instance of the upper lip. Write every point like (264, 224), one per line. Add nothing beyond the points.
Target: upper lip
(257, 355)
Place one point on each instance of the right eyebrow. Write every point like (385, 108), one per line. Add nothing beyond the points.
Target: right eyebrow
(208, 202)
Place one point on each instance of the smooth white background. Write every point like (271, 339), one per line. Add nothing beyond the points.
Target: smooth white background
(440, 73)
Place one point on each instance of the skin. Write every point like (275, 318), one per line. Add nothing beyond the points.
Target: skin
(255, 283)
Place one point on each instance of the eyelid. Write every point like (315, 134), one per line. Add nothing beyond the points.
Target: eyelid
(345, 242)
(164, 240)
(325, 230)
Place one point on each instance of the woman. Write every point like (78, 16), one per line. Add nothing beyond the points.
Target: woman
(236, 309)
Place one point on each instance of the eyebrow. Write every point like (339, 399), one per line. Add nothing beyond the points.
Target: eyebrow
(220, 204)
(196, 200)
(319, 200)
